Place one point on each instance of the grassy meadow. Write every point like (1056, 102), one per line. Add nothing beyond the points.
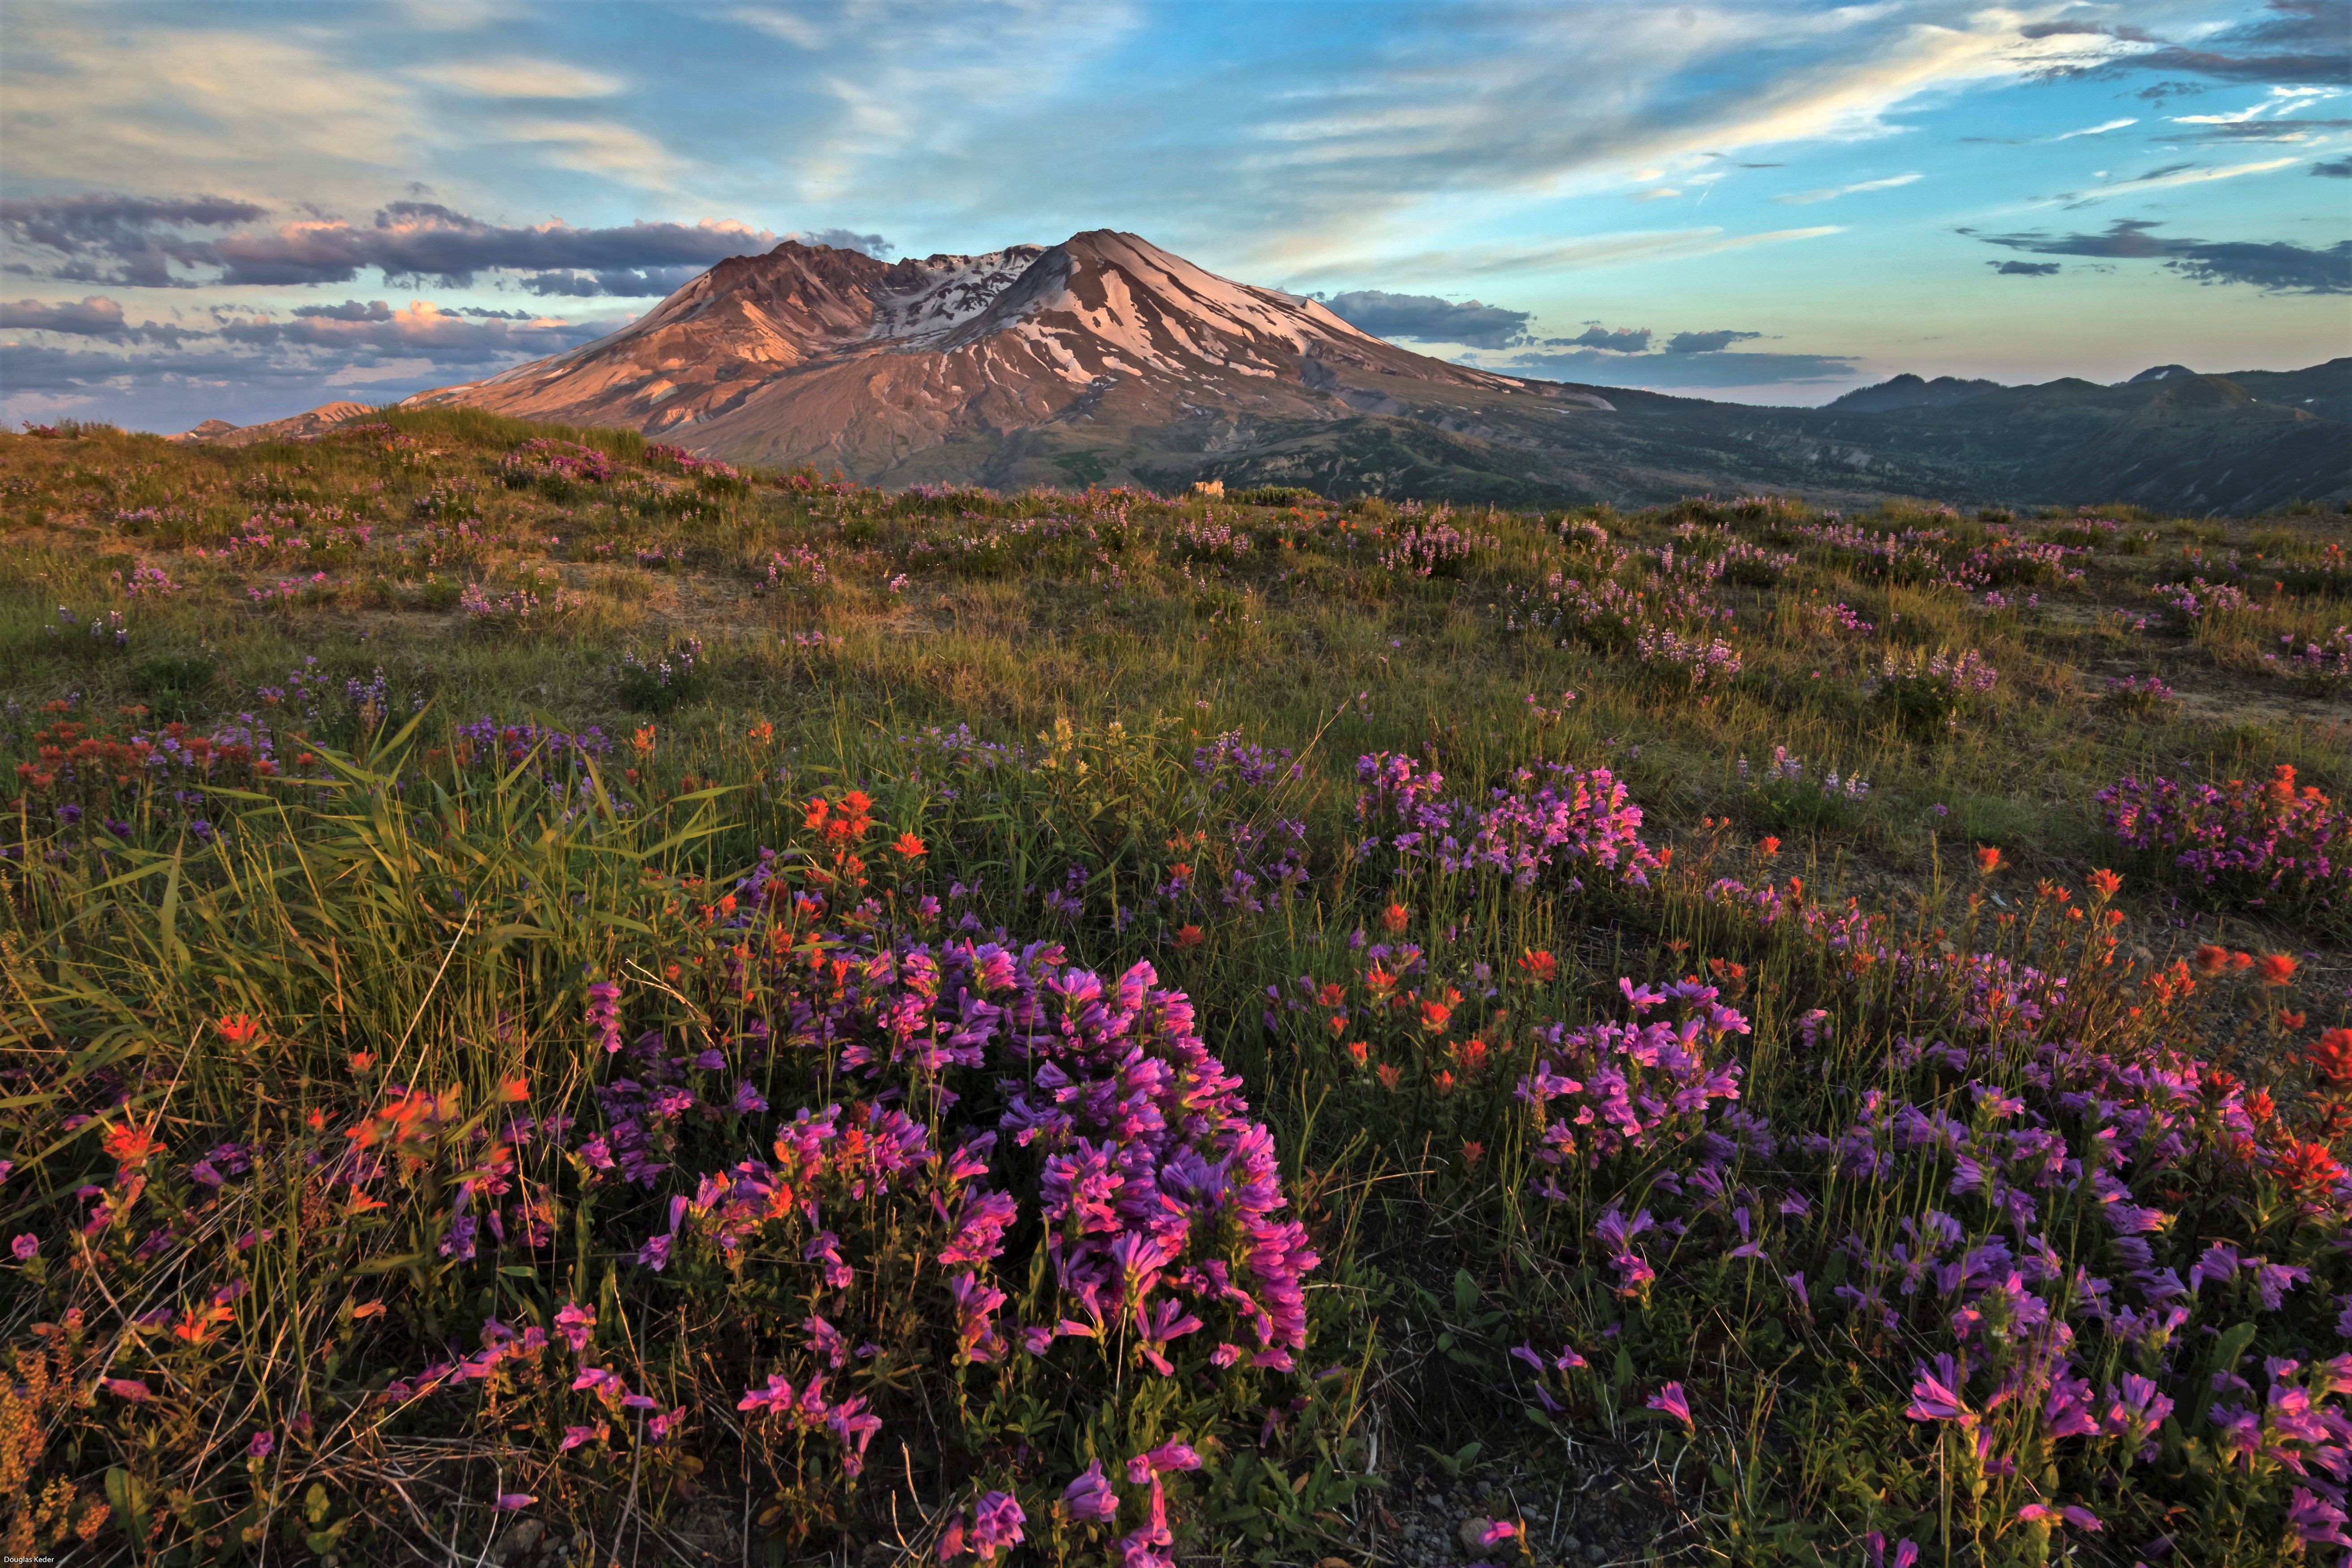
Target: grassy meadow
(565, 1004)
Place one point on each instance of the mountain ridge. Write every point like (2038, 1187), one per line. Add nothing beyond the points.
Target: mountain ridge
(1107, 359)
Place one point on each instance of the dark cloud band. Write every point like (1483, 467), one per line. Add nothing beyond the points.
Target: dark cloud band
(141, 242)
(2275, 267)
(1426, 318)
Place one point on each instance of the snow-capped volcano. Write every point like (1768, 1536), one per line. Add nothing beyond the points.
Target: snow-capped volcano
(813, 354)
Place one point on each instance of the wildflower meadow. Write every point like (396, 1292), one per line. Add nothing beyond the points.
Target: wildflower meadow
(567, 1003)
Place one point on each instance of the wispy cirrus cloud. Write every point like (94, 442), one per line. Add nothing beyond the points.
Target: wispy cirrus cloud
(2099, 129)
(1830, 194)
(2175, 174)
(516, 75)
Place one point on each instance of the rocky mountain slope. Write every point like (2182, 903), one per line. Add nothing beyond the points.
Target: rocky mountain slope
(1107, 359)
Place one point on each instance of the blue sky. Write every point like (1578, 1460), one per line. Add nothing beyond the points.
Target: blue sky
(243, 210)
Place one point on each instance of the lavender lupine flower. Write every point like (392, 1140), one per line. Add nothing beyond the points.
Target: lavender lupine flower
(1935, 1393)
(1173, 1454)
(2317, 1521)
(1089, 1497)
(1907, 1551)
(996, 1521)
(604, 1014)
(1670, 1399)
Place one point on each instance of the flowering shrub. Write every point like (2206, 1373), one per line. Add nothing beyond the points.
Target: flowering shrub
(1838, 619)
(801, 570)
(1932, 691)
(672, 679)
(2139, 693)
(1784, 795)
(1207, 538)
(984, 1094)
(555, 468)
(686, 462)
(1431, 550)
(2197, 599)
(518, 607)
(1993, 1199)
(104, 633)
(1548, 816)
(2319, 669)
(2257, 840)
(147, 580)
(1696, 664)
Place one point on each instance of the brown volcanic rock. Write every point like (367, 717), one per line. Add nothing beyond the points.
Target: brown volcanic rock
(813, 354)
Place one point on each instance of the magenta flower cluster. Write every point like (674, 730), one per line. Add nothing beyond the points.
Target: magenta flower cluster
(2265, 838)
(1546, 816)
(544, 457)
(2003, 1194)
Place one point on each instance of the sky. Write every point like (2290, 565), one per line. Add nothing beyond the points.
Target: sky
(241, 211)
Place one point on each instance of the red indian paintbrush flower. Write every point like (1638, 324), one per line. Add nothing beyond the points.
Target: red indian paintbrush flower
(2332, 1058)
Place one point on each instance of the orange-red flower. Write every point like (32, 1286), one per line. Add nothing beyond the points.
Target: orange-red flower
(1987, 859)
(237, 1029)
(2105, 882)
(2278, 968)
(1332, 994)
(1358, 1051)
(1444, 1080)
(1539, 967)
(1433, 1016)
(1472, 1153)
(1767, 845)
(362, 1061)
(2333, 1057)
(1388, 1075)
(1394, 917)
(910, 846)
(130, 1145)
(2211, 960)
(1188, 936)
(2305, 1169)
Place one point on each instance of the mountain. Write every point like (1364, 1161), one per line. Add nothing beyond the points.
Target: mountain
(1909, 391)
(1107, 359)
(1014, 360)
(2157, 372)
(221, 433)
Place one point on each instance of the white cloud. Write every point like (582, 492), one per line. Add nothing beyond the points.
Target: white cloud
(2187, 177)
(1830, 194)
(517, 77)
(2100, 130)
(1565, 256)
(789, 26)
(601, 147)
(1658, 194)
